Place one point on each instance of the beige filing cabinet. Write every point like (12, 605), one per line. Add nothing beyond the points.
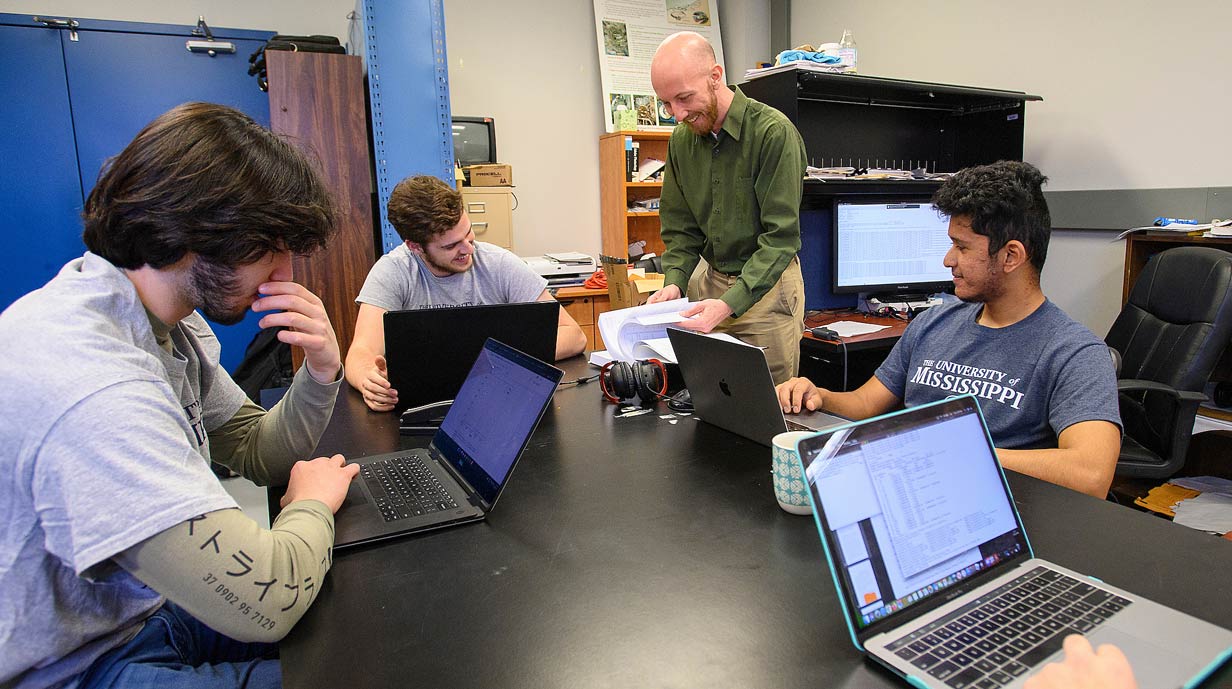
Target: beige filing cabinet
(491, 213)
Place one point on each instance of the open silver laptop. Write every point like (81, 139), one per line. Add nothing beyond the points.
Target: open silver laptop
(732, 388)
(936, 576)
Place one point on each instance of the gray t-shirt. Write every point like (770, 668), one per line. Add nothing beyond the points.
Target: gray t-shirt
(1033, 379)
(401, 281)
(105, 445)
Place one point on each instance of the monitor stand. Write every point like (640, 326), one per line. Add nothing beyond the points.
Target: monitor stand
(899, 298)
(905, 303)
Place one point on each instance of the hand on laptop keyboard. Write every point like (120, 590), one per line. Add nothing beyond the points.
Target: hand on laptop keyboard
(326, 479)
(1086, 668)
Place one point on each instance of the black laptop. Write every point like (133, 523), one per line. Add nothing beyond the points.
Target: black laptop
(429, 351)
(935, 574)
(458, 478)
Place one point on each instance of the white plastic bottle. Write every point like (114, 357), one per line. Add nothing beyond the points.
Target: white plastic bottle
(847, 53)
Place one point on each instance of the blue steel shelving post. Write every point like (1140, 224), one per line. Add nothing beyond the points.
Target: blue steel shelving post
(408, 85)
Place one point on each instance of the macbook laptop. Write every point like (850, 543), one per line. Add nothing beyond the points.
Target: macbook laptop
(732, 388)
(429, 351)
(936, 576)
(458, 478)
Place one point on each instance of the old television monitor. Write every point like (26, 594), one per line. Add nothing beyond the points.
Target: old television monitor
(474, 140)
(890, 246)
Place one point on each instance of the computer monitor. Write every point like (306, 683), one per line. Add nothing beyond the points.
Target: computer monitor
(889, 246)
(474, 140)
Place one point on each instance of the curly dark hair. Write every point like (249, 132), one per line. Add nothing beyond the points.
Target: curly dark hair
(206, 179)
(422, 207)
(1003, 201)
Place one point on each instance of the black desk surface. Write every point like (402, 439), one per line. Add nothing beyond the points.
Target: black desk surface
(635, 552)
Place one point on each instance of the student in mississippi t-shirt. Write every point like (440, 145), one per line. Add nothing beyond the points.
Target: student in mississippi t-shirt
(1045, 383)
(1033, 378)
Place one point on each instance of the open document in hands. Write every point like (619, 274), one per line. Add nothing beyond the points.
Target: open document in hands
(640, 332)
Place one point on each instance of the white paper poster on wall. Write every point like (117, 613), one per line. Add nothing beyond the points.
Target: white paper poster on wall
(628, 32)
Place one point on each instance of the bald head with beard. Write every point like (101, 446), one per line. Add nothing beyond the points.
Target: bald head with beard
(689, 81)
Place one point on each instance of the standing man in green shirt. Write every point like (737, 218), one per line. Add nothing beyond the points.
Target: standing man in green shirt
(731, 195)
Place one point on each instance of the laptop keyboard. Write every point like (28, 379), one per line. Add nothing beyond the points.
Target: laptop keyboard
(1003, 634)
(795, 426)
(405, 487)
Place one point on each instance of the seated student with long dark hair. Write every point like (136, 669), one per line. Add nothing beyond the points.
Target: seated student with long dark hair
(123, 561)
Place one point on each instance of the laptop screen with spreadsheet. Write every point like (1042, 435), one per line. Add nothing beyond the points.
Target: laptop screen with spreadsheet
(911, 504)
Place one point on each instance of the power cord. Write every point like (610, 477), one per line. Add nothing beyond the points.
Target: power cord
(580, 381)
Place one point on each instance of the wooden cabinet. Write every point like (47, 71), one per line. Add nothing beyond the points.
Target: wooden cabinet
(585, 305)
(620, 227)
(491, 213)
(317, 100)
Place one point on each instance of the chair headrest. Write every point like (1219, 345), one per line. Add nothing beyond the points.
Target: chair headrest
(1185, 285)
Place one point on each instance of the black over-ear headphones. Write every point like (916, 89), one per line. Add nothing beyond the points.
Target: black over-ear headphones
(646, 379)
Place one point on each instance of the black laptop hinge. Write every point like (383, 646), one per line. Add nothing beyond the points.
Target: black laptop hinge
(472, 495)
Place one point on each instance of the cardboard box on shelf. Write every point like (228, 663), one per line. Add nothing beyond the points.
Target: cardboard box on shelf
(499, 175)
(627, 289)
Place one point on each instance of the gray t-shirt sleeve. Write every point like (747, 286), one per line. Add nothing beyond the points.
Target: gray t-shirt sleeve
(143, 475)
(894, 370)
(1085, 390)
(246, 582)
(386, 286)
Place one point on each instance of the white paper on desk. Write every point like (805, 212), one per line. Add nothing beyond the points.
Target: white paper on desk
(853, 328)
(1206, 512)
(1205, 484)
(599, 358)
(661, 347)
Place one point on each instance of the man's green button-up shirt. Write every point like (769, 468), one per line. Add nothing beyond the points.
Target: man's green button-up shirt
(734, 200)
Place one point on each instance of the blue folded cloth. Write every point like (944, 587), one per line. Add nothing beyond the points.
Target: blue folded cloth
(796, 55)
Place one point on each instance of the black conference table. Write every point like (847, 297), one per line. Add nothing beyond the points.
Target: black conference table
(636, 552)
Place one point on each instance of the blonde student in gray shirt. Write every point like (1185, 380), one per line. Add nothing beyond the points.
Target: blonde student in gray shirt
(123, 562)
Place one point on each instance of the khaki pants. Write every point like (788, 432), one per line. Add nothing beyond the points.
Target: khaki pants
(775, 323)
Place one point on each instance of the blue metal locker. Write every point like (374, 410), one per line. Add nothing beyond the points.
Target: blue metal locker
(40, 190)
(83, 93)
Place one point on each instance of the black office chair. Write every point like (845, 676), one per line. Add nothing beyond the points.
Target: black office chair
(1170, 334)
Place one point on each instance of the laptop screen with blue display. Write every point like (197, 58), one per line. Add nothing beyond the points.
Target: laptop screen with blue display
(494, 415)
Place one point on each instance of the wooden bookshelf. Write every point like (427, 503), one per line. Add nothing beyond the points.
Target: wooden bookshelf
(620, 227)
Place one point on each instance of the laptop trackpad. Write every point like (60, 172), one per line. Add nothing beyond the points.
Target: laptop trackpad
(355, 495)
(1153, 666)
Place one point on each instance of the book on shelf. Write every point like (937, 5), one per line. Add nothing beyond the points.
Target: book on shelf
(631, 159)
(648, 169)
